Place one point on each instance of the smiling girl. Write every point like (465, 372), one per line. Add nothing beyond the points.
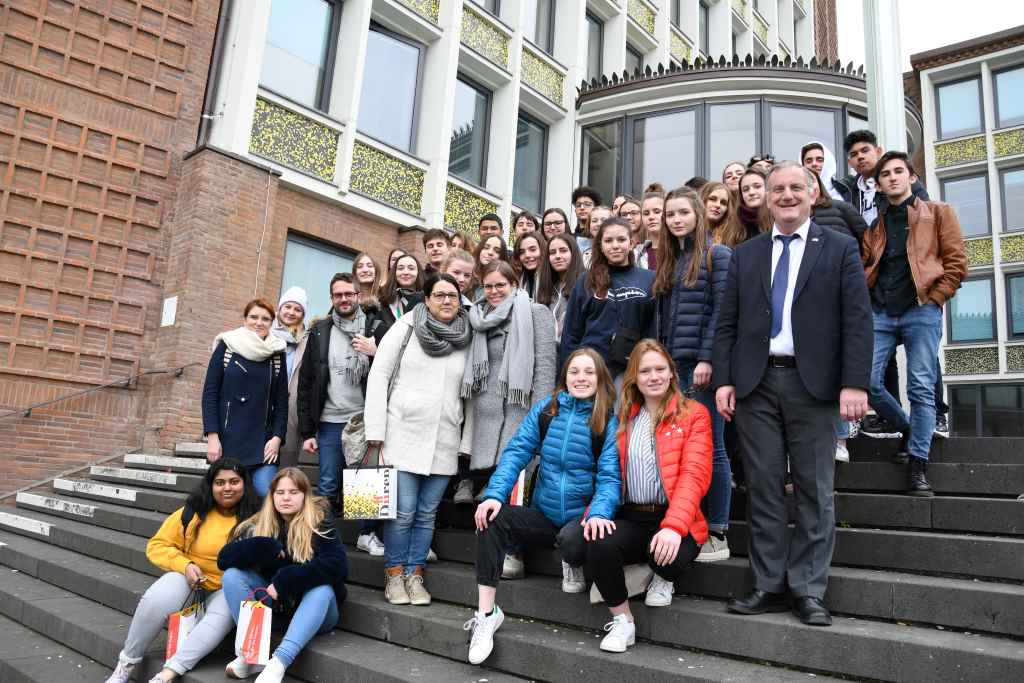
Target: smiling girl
(403, 289)
(532, 265)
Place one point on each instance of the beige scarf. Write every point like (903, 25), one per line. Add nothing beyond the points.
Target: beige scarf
(248, 344)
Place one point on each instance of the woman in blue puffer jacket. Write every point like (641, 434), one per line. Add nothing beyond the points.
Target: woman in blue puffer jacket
(575, 496)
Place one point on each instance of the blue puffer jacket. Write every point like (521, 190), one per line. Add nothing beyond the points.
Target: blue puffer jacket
(687, 315)
(568, 479)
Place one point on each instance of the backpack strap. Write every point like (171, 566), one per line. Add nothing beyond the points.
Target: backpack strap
(596, 445)
(228, 353)
(544, 419)
(596, 440)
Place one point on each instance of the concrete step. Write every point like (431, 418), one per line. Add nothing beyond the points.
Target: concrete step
(1004, 450)
(941, 513)
(140, 498)
(130, 520)
(166, 481)
(28, 657)
(956, 478)
(162, 463)
(190, 449)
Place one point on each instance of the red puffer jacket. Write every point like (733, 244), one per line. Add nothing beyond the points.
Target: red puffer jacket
(683, 448)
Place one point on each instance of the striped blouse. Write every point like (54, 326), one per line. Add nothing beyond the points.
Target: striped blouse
(643, 482)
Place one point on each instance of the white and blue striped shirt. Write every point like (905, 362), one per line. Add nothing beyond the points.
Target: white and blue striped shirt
(643, 483)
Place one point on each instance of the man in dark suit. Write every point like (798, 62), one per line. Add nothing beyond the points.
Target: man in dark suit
(794, 339)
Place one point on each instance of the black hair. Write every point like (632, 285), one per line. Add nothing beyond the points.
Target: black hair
(561, 213)
(434, 278)
(853, 137)
(435, 233)
(200, 501)
(808, 147)
(588, 192)
(894, 155)
(696, 182)
(344, 277)
(489, 217)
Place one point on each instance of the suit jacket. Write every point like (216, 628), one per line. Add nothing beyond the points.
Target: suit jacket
(831, 317)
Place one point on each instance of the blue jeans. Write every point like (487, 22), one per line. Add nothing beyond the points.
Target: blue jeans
(719, 495)
(919, 329)
(407, 538)
(317, 611)
(262, 475)
(842, 429)
(331, 456)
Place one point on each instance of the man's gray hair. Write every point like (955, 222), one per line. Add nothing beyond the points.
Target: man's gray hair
(811, 180)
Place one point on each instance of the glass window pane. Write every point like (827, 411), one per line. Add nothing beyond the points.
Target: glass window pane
(537, 23)
(1001, 410)
(634, 60)
(1015, 305)
(969, 197)
(732, 135)
(674, 9)
(489, 5)
(387, 113)
(1013, 199)
(469, 134)
(594, 48)
(310, 266)
(702, 27)
(664, 150)
(959, 109)
(528, 183)
(970, 312)
(602, 147)
(1009, 102)
(296, 52)
(794, 127)
(964, 410)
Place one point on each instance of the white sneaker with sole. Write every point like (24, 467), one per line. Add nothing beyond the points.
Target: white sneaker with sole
(621, 634)
(513, 567)
(573, 580)
(431, 556)
(714, 550)
(842, 452)
(369, 543)
(659, 593)
(239, 668)
(463, 492)
(123, 672)
(273, 672)
(481, 642)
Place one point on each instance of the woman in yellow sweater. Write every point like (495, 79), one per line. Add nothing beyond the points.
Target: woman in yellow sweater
(186, 547)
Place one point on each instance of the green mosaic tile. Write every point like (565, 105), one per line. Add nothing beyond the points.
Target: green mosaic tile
(543, 77)
(761, 28)
(1015, 358)
(1011, 248)
(386, 178)
(1009, 142)
(960, 151)
(740, 7)
(294, 140)
(428, 9)
(679, 48)
(977, 360)
(481, 35)
(462, 208)
(979, 252)
(642, 14)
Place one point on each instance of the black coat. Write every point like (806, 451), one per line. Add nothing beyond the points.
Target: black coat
(315, 371)
(830, 315)
(840, 216)
(850, 191)
(687, 315)
(409, 302)
(245, 403)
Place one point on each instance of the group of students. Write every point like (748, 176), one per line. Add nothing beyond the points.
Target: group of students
(587, 360)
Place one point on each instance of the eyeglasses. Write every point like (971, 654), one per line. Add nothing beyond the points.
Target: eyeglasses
(584, 205)
(441, 297)
(496, 287)
(630, 214)
(553, 224)
(345, 295)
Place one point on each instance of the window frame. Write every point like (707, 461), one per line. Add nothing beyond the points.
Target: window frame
(765, 139)
(938, 107)
(988, 207)
(543, 155)
(549, 40)
(636, 54)
(417, 95)
(1007, 277)
(591, 17)
(489, 96)
(313, 243)
(759, 127)
(482, 4)
(629, 141)
(675, 13)
(979, 405)
(948, 314)
(322, 100)
(1002, 197)
(995, 96)
(620, 178)
(704, 31)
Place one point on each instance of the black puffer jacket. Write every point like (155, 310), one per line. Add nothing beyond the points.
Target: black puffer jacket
(687, 316)
(840, 216)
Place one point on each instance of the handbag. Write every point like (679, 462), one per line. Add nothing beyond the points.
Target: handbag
(252, 637)
(181, 623)
(370, 492)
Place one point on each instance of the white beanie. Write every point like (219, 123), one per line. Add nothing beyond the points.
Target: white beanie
(296, 295)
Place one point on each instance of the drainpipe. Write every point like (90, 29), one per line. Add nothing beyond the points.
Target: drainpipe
(213, 74)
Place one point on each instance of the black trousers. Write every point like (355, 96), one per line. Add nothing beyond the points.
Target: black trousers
(630, 544)
(521, 527)
(892, 384)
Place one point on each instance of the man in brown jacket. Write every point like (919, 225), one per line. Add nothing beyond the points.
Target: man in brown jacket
(914, 261)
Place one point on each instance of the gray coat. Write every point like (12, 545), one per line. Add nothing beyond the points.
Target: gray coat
(494, 420)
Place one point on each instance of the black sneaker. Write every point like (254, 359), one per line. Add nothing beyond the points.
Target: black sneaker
(941, 425)
(876, 427)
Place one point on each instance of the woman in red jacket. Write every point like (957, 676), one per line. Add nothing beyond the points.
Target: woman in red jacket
(665, 455)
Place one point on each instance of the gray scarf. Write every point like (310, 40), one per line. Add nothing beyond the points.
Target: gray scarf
(354, 365)
(437, 338)
(279, 330)
(515, 378)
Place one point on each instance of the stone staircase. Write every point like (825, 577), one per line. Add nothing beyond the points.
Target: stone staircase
(923, 589)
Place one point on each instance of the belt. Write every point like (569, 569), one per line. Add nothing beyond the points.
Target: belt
(781, 361)
(630, 507)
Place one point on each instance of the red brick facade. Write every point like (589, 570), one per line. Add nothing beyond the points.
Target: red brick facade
(826, 36)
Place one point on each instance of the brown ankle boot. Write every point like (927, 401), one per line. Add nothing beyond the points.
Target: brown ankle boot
(394, 586)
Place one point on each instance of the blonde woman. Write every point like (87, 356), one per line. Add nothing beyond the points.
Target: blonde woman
(290, 327)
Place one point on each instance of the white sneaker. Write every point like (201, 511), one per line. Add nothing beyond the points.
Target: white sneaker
(239, 668)
(481, 642)
(463, 492)
(273, 672)
(431, 556)
(513, 567)
(714, 550)
(842, 452)
(621, 634)
(659, 593)
(124, 670)
(573, 580)
(369, 543)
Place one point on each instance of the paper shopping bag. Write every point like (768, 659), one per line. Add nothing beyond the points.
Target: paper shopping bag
(180, 623)
(518, 494)
(370, 493)
(252, 638)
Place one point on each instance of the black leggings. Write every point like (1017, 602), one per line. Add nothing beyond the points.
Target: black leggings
(520, 526)
(630, 544)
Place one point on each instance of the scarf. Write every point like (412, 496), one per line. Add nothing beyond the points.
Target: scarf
(282, 332)
(248, 344)
(437, 338)
(515, 377)
(354, 366)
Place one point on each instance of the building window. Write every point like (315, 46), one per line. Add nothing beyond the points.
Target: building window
(987, 409)
(959, 108)
(595, 47)
(732, 135)
(602, 151)
(735, 41)
(531, 153)
(968, 195)
(703, 20)
(492, 6)
(664, 149)
(468, 154)
(634, 60)
(792, 127)
(1012, 186)
(389, 114)
(299, 53)
(970, 312)
(539, 22)
(1015, 305)
(676, 13)
(309, 264)
(1009, 107)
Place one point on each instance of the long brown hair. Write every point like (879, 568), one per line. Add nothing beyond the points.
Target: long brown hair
(631, 395)
(824, 200)
(389, 292)
(764, 219)
(566, 282)
(604, 396)
(599, 279)
(542, 287)
(670, 250)
(478, 271)
(729, 231)
(306, 522)
(371, 293)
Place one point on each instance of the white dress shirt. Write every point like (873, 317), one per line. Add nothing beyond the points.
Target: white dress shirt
(782, 343)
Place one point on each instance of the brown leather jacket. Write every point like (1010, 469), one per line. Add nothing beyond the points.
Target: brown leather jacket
(935, 249)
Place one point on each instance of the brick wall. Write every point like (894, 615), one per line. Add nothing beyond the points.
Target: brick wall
(826, 36)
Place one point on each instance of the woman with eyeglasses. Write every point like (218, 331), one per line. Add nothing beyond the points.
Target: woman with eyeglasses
(421, 423)
(584, 199)
(554, 222)
(632, 211)
(490, 249)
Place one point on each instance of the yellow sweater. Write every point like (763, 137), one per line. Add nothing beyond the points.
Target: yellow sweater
(167, 547)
